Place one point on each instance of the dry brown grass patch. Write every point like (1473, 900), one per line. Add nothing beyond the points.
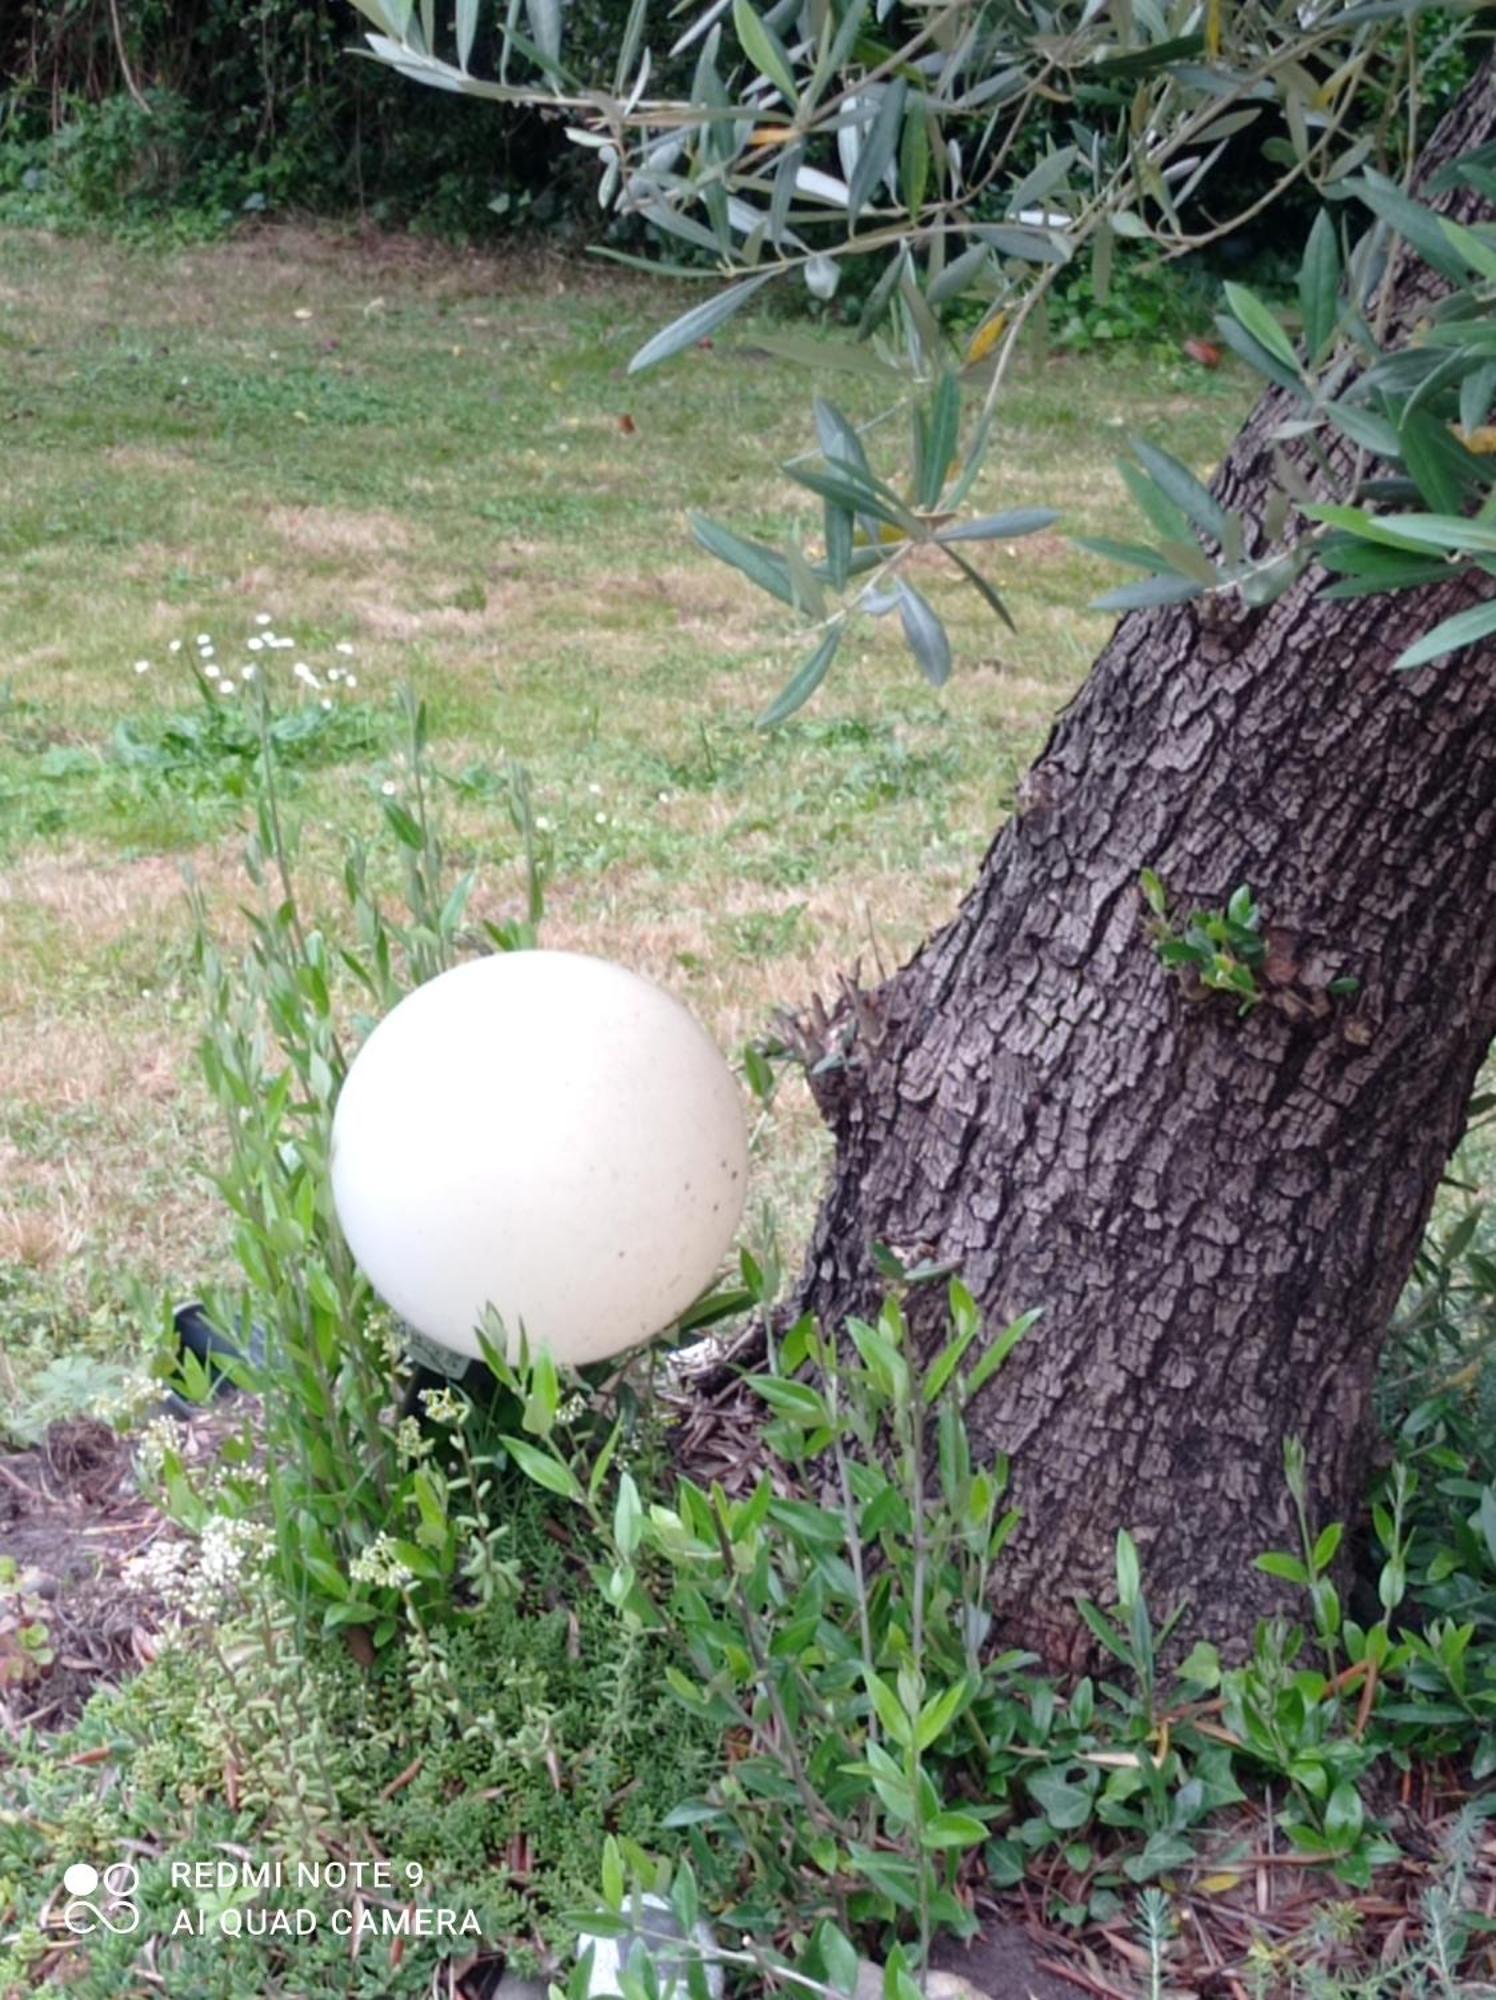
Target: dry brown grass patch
(334, 531)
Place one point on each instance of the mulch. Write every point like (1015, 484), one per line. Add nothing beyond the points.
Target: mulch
(71, 1514)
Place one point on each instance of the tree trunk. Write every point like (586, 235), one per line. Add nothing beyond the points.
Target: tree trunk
(1216, 1212)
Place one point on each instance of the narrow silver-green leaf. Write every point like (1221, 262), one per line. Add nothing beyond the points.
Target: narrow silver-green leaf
(762, 566)
(545, 27)
(995, 527)
(806, 681)
(1477, 393)
(877, 148)
(838, 526)
(927, 637)
(1256, 355)
(839, 441)
(764, 50)
(467, 27)
(939, 433)
(1181, 487)
(1264, 326)
(697, 323)
(1154, 590)
(1419, 225)
(1477, 253)
(1365, 428)
(1461, 630)
(1319, 284)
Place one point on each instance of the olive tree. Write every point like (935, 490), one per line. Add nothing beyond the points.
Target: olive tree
(1186, 1066)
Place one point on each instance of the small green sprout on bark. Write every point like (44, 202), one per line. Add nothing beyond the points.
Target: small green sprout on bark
(1215, 951)
(1229, 950)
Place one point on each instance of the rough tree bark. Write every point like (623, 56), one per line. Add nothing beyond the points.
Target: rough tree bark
(1217, 1214)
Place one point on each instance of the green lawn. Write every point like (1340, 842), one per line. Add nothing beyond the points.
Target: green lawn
(440, 462)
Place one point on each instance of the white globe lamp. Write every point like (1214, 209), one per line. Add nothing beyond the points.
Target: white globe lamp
(548, 1134)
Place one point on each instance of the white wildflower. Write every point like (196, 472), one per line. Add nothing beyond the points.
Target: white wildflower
(262, 618)
(229, 1549)
(142, 666)
(445, 1406)
(163, 1569)
(351, 681)
(159, 1439)
(410, 1444)
(255, 645)
(175, 646)
(136, 1393)
(379, 1564)
(343, 646)
(389, 788)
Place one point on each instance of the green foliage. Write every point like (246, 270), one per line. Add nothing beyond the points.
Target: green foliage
(371, 1526)
(1143, 303)
(244, 1739)
(1215, 951)
(1399, 508)
(26, 1648)
(197, 113)
(840, 1641)
(973, 161)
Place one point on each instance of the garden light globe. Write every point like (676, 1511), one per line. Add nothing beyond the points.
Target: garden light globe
(548, 1134)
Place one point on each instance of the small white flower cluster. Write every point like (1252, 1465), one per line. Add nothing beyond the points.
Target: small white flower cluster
(221, 680)
(380, 1565)
(234, 1479)
(445, 1406)
(231, 1550)
(166, 1569)
(124, 1405)
(161, 1437)
(198, 1578)
(410, 1444)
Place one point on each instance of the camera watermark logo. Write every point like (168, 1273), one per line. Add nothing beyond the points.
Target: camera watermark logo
(118, 1912)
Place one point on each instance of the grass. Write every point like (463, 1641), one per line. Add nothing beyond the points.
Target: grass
(440, 461)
